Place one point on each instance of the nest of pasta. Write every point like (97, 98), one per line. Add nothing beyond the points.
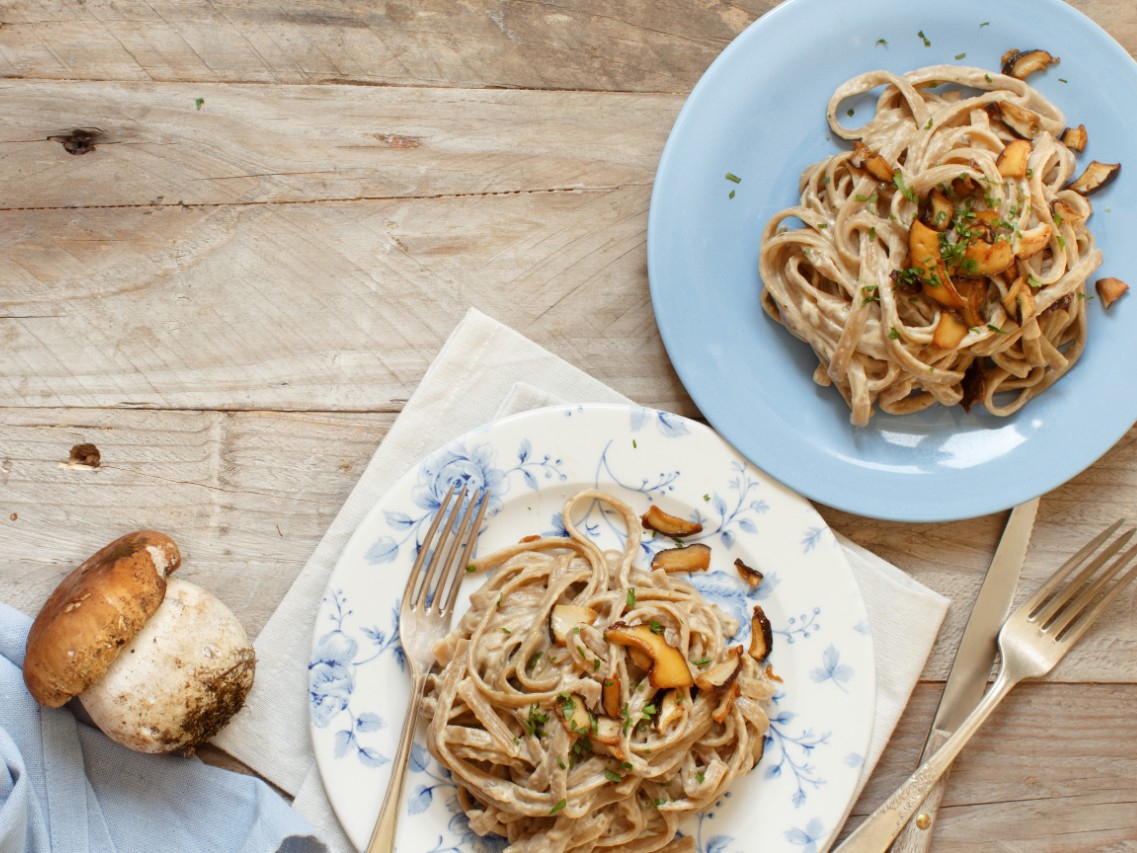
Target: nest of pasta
(944, 259)
(583, 703)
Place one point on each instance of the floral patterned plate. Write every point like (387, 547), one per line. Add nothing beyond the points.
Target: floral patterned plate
(799, 794)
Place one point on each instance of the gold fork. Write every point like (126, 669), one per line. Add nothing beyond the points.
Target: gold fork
(1032, 641)
(424, 617)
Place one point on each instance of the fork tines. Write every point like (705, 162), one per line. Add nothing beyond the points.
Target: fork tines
(455, 525)
(1070, 609)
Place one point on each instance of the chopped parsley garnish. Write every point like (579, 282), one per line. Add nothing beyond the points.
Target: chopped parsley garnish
(536, 721)
(731, 194)
(959, 56)
(561, 764)
(612, 776)
(631, 599)
(199, 102)
(905, 190)
(893, 335)
(924, 38)
(733, 178)
(471, 567)
(882, 42)
(659, 801)
(985, 24)
(506, 631)
(699, 777)
(536, 656)
(701, 661)
(656, 628)
(850, 112)
(995, 329)
(558, 807)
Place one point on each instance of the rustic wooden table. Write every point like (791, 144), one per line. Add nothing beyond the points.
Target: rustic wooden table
(234, 235)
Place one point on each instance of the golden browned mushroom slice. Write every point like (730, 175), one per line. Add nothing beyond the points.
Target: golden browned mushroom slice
(640, 659)
(564, 617)
(937, 211)
(722, 674)
(670, 710)
(1020, 64)
(574, 714)
(1075, 138)
(1065, 212)
(949, 331)
(668, 524)
(761, 635)
(1033, 241)
(1011, 161)
(669, 667)
(1020, 120)
(732, 693)
(751, 576)
(688, 558)
(1110, 290)
(981, 259)
(607, 730)
(1096, 176)
(924, 255)
(872, 162)
(1019, 301)
(610, 695)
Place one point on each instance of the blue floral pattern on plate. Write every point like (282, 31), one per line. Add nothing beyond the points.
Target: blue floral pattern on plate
(820, 718)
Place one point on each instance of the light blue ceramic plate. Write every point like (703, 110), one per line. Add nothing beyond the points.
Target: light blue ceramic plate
(796, 799)
(759, 113)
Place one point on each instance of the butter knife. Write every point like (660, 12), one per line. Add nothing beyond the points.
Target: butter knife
(972, 665)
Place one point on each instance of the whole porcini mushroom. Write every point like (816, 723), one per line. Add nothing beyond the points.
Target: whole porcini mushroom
(159, 664)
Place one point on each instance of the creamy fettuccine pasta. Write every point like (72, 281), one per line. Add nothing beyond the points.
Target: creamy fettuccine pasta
(584, 703)
(944, 258)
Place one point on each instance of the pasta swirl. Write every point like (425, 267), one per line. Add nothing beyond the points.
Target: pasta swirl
(850, 283)
(499, 706)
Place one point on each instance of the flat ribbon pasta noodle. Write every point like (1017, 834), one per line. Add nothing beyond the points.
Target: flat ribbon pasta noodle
(846, 281)
(502, 703)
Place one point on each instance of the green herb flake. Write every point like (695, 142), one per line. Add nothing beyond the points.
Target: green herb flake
(985, 24)
(631, 599)
(882, 42)
(471, 568)
(199, 102)
(558, 807)
(960, 56)
(928, 126)
(893, 335)
(995, 329)
(850, 112)
(701, 661)
(733, 178)
(506, 631)
(533, 660)
(561, 764)
(699, 777)
(1063, 80)
(924, 38)
(612, 775)
(987, 77)
(731, 194)
(659, 801)
(905, 190)
(656, 628)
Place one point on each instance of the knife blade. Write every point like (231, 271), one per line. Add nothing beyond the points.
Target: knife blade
(967, 679)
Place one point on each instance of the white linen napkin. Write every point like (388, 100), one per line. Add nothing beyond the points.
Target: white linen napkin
(501, 372)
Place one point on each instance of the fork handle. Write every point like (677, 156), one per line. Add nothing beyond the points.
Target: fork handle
(916, 837)
(383, 836)
(880, 828)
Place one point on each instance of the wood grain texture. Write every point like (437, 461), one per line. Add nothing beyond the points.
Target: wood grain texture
(606, 45)
(1053, 771)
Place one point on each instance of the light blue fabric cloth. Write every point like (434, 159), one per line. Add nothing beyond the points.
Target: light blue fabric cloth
(67, 788)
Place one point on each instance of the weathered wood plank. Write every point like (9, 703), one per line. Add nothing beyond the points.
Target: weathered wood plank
(246, 495)
(316, 306)
(152, 145)
(1054, 770)
(580, 44)
(249, 494)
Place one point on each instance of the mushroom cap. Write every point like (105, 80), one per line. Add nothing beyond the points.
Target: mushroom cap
(179, 680)
(94, 612)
